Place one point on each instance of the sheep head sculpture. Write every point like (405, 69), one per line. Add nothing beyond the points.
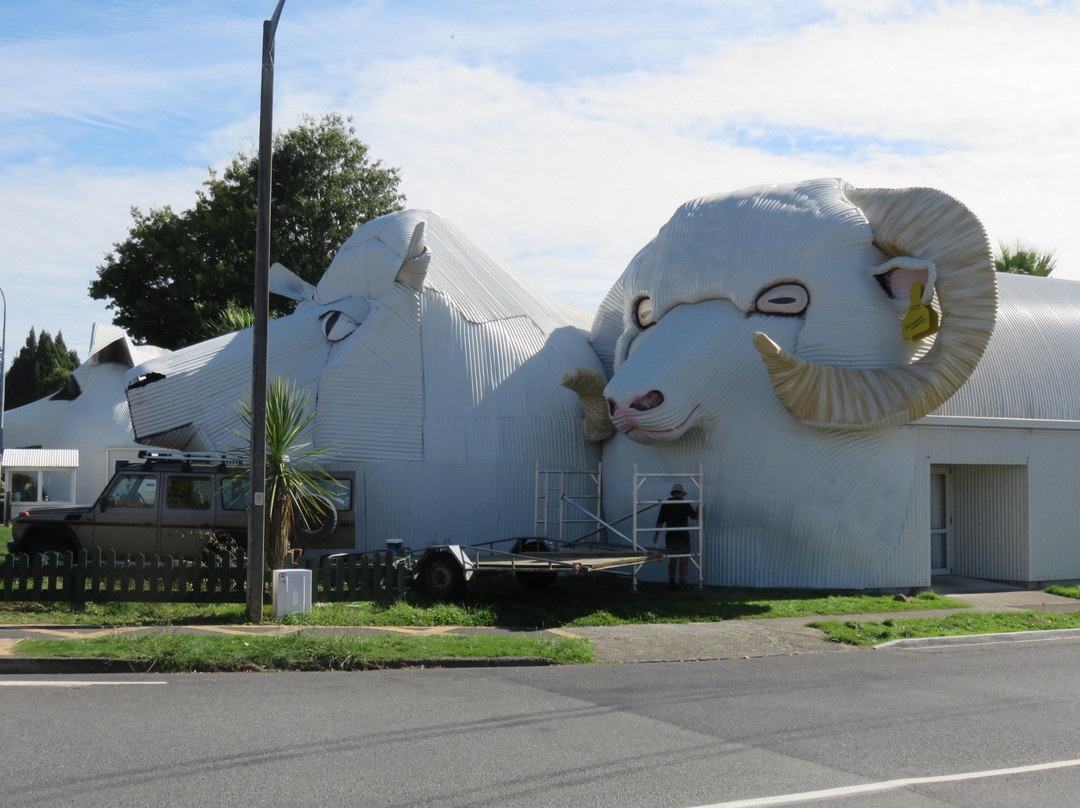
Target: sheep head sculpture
(764, 329)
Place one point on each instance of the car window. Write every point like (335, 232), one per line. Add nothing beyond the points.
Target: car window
(188, 493)
(234, 494)
(339, 492)
(132, 491)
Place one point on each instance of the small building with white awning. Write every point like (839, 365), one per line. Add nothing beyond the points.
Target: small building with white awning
(37, 477)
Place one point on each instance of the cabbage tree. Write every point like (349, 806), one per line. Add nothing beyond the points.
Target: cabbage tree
(297, 487)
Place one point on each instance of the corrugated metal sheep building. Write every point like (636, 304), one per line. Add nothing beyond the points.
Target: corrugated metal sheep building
(758, 337)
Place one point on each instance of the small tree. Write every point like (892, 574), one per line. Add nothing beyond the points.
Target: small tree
(1024, 260)
(41, 368)
(296, 486)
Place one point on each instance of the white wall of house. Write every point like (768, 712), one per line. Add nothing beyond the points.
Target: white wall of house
(1015, 496)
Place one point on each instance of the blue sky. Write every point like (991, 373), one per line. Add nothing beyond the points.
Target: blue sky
(559, 136)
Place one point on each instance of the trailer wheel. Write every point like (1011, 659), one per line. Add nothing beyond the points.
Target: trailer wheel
(441, 577)
(534, 581)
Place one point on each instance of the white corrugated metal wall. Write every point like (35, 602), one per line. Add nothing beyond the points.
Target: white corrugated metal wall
(1016, 496)
(990, 522)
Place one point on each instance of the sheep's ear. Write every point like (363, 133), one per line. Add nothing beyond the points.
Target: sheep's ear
(898, 275)
(285, 282)
(414, 266)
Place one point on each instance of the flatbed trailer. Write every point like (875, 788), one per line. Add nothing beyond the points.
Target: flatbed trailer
(573, 516)
(442, 570)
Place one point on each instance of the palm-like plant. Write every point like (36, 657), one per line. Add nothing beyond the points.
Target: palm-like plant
(296, 486)
(233, 317)
(1024, 260)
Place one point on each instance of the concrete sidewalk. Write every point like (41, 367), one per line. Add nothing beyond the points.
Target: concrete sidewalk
(661, 642)
(734, 639)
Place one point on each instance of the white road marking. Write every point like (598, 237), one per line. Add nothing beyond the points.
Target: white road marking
(887, 785)
(33, 683)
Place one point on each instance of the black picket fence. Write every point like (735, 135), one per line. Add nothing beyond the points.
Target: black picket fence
(103, 577)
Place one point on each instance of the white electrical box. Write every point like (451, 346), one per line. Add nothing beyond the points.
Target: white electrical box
(292, 592)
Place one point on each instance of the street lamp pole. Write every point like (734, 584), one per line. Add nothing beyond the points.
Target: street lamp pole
(256, 516)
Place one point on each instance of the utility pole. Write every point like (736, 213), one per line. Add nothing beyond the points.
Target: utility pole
(3, 373)
(256, 515)
(3, 367)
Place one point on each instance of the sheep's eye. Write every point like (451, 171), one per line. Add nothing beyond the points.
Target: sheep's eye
(784, 298)
(643, 312)
(336, 325)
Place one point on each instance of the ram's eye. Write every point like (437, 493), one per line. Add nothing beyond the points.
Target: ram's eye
(643, 312)
(784, 298)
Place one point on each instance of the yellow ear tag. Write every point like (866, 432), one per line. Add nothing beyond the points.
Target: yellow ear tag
(920, 321)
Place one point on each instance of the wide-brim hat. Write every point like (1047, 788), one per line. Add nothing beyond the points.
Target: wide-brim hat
(677, 489)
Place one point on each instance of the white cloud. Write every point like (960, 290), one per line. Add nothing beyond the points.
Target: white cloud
(557, 140)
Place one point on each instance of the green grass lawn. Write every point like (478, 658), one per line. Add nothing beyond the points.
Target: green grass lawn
(187, 652)
(873, 633)
(571, 602)
(1065, 591)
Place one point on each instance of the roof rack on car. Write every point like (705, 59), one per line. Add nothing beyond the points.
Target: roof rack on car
(212, 458)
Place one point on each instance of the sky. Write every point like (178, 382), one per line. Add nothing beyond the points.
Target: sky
(559, 136)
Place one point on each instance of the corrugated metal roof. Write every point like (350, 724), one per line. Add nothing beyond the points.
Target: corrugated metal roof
(40, 458)
(1032, 363)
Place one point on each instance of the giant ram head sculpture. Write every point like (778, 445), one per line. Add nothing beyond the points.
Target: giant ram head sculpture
(759, 337)
(433, 374)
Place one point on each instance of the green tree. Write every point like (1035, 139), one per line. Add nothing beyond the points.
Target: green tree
(169, 280)
(297, 487)
(41, 368)
(1024, 260)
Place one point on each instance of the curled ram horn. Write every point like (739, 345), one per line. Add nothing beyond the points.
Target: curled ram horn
(918, 222)
(589, 385)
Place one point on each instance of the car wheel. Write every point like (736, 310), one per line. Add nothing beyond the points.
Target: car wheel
(52, 545)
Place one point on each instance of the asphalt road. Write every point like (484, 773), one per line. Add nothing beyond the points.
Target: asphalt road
(634, 735)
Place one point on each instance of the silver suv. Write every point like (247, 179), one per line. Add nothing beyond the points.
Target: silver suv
(172, 503)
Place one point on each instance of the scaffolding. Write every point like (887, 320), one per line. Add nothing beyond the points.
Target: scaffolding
(554, 489)
(696, 532)
(568, 506)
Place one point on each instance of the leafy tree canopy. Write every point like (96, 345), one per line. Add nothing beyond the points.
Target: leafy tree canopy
(169, 281)
(1024, 260)
(41, 368)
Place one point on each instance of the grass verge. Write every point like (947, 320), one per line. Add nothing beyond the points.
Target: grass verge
(185, 652)
(899, 628)
(571, 602)
(1065, 591)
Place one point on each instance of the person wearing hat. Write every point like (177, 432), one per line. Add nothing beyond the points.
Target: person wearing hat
(676, 514)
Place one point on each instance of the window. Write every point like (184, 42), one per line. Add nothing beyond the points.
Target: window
(58, 485)
(340, 493)
(24, 486)
(42, 486)
(132, 491)
(188, 493)
(234, 494)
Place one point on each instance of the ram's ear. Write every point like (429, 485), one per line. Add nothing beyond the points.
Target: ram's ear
(414, 266)
(898, 275)
(285, 282)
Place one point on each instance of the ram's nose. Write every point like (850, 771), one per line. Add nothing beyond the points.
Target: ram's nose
(643, 403)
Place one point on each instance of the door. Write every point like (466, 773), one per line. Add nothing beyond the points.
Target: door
(126, 515)
(187, 514)
(940, 520)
